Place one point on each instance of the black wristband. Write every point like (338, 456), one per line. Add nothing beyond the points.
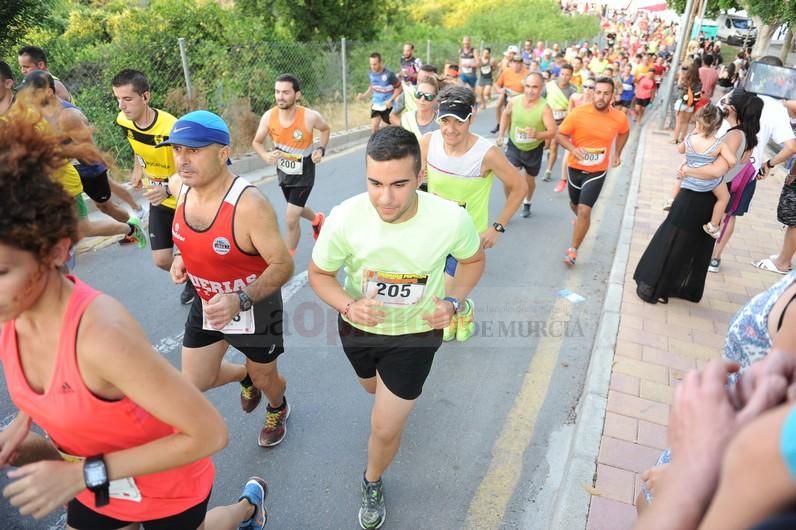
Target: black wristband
(323, 150)
(769, 165)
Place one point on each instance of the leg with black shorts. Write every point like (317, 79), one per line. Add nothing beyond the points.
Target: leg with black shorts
(296, 197)
(378, 119)
(202, 362)
(584, 189)
(528, 162)
(97, 186)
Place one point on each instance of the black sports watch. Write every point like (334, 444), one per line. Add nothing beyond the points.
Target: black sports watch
(769, 165)
(499, 227)
(95, 475)
(454, 302)
(245, 302)
(323, 150)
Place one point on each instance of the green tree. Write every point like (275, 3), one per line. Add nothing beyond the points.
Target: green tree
(17, 17)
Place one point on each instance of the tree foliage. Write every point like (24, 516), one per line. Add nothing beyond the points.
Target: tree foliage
(18, 17)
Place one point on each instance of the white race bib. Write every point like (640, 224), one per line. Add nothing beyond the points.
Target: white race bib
(242, 324)
(379, 107)
(124, 489)
(395, 289)
(559, 114)
(524, 135)
(290, 164)
(627, 86)
(594, 156)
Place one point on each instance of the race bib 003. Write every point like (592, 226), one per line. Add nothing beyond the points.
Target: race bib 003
(594, 156)
(242, 324)
(397, 289)
(290, 164)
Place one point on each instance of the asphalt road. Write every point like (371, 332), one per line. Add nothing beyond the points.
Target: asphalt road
(486, 442)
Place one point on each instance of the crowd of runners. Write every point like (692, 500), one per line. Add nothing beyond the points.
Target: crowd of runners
(149, 438)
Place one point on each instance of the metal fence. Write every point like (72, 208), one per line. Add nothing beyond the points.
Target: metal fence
(237, 82)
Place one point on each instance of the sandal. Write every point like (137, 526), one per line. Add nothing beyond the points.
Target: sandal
(712, 230)
(767, 264)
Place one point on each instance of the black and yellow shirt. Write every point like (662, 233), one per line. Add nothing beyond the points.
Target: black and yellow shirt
(158, 164)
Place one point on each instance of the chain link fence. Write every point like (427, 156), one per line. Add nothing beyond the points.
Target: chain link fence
(237, 82)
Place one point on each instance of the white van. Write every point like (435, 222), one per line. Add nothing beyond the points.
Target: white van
(733, 29)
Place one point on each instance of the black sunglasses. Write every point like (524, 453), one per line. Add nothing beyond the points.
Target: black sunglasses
(425, 95)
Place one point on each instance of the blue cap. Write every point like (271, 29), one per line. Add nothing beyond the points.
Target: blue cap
(198, 129)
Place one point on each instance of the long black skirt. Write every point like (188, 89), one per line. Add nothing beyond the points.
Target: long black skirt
(676, 260)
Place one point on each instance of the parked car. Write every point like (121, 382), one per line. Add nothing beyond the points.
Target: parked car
(733, 29)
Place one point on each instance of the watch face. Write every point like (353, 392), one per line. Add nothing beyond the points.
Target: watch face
(94, 474)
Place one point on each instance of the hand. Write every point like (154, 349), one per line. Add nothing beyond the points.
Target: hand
(272, 156)
(155, 194)
(499, 140)
(44, 486)
(366, 311)
(579, 153)
(316, 156)
(776, 363)
(489, 238)
(442, 315)
(221, 309)
(617, 161)
(360, 97)
(135, 179)
(681, 171)
(12, 436)
(179, 274)
(762, 173)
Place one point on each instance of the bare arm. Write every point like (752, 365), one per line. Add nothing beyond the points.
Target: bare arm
(505, 121)
(551, 129)
(258, 144)
(424, 143)
(727, 154)
(62, 92)
(714, 170)
(514, 184)
(318, 123)
(788, 150)
(621, 140)
(471, 270)
(681, 148)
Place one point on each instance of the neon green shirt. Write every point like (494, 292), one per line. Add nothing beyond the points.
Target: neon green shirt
(523, 120)
(403, 263)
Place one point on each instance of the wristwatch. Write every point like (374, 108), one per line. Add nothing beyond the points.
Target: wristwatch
(454, 302)
(323, 150)
(769, 165)
(245, 302)
(95, 475)
(499, 227)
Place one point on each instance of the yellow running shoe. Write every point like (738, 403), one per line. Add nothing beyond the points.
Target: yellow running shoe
(465, 327)
(449, 333)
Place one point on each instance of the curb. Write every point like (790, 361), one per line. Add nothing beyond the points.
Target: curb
(573, 499)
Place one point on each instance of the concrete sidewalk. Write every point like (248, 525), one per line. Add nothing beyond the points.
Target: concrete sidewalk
(656, 344)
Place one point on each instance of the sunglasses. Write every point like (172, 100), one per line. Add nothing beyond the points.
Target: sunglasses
(588, 87)
(428, 96)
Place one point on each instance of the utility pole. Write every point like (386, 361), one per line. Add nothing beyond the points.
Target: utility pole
(682, 38)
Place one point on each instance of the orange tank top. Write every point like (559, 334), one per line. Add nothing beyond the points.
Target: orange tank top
(295, 138)
(83, 425)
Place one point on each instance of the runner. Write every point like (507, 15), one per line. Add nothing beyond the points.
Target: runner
(467, 63)
(384, 89)
(588, 133)
(6, 87)
(575, 100)
(135, 438)
(530, 123)
(509, 83)
(409, 76)
(527, 52)
(645, 93)
(38, 92)
(230, 248)
(32, 58)
(557, 92)
(393, 302)
(292, 127)
(486, 70)
(423, 120)
(625, 100)
(145, 127)
(459, 166)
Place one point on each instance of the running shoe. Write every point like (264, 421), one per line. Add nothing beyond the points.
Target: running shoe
(548, 176)
(561, 186)
(188, 293)
(139, 212)
(254, 492)
(715, 263)
(372, 511)
(275, 427)
(465, 327)
(317, 224)
(526, 209)
(250, 397)
(571, 256)
(449, 333)
(496, 129)
(138, 234)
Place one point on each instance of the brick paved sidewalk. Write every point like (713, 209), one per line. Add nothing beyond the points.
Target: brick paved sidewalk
(656, 344)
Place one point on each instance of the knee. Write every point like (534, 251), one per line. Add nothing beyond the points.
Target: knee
(384, 432)
(584, 213)
(292, 218)
(263, 375)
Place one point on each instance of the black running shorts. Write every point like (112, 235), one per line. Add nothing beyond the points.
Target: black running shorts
(81, 517)
(583, 187)
(531, 160)
(402, 361)
(262, 346)
(95, 184)
(296, 195)
(383, 114)
(160, 220)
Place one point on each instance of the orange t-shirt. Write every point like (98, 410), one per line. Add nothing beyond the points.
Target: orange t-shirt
(512, 80)
(595, 132)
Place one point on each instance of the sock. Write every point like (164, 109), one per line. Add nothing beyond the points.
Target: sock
(247, 381)
(366, 481)
(526, 203)
(280, 408)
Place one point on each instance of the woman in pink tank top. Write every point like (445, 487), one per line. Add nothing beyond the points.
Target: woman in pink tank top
(134, 436)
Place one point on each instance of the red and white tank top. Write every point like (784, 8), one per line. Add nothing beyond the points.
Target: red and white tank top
(82, 425)
(213, 259)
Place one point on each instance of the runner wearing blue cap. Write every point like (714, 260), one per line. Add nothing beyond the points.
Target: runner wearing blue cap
(229, 247)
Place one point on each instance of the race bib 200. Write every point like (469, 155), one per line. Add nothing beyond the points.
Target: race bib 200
(397, 289)
(290, 164)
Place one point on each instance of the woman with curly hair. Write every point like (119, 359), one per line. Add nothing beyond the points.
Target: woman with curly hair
(134, 436)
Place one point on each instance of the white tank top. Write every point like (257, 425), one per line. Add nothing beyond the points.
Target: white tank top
(468, 165)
